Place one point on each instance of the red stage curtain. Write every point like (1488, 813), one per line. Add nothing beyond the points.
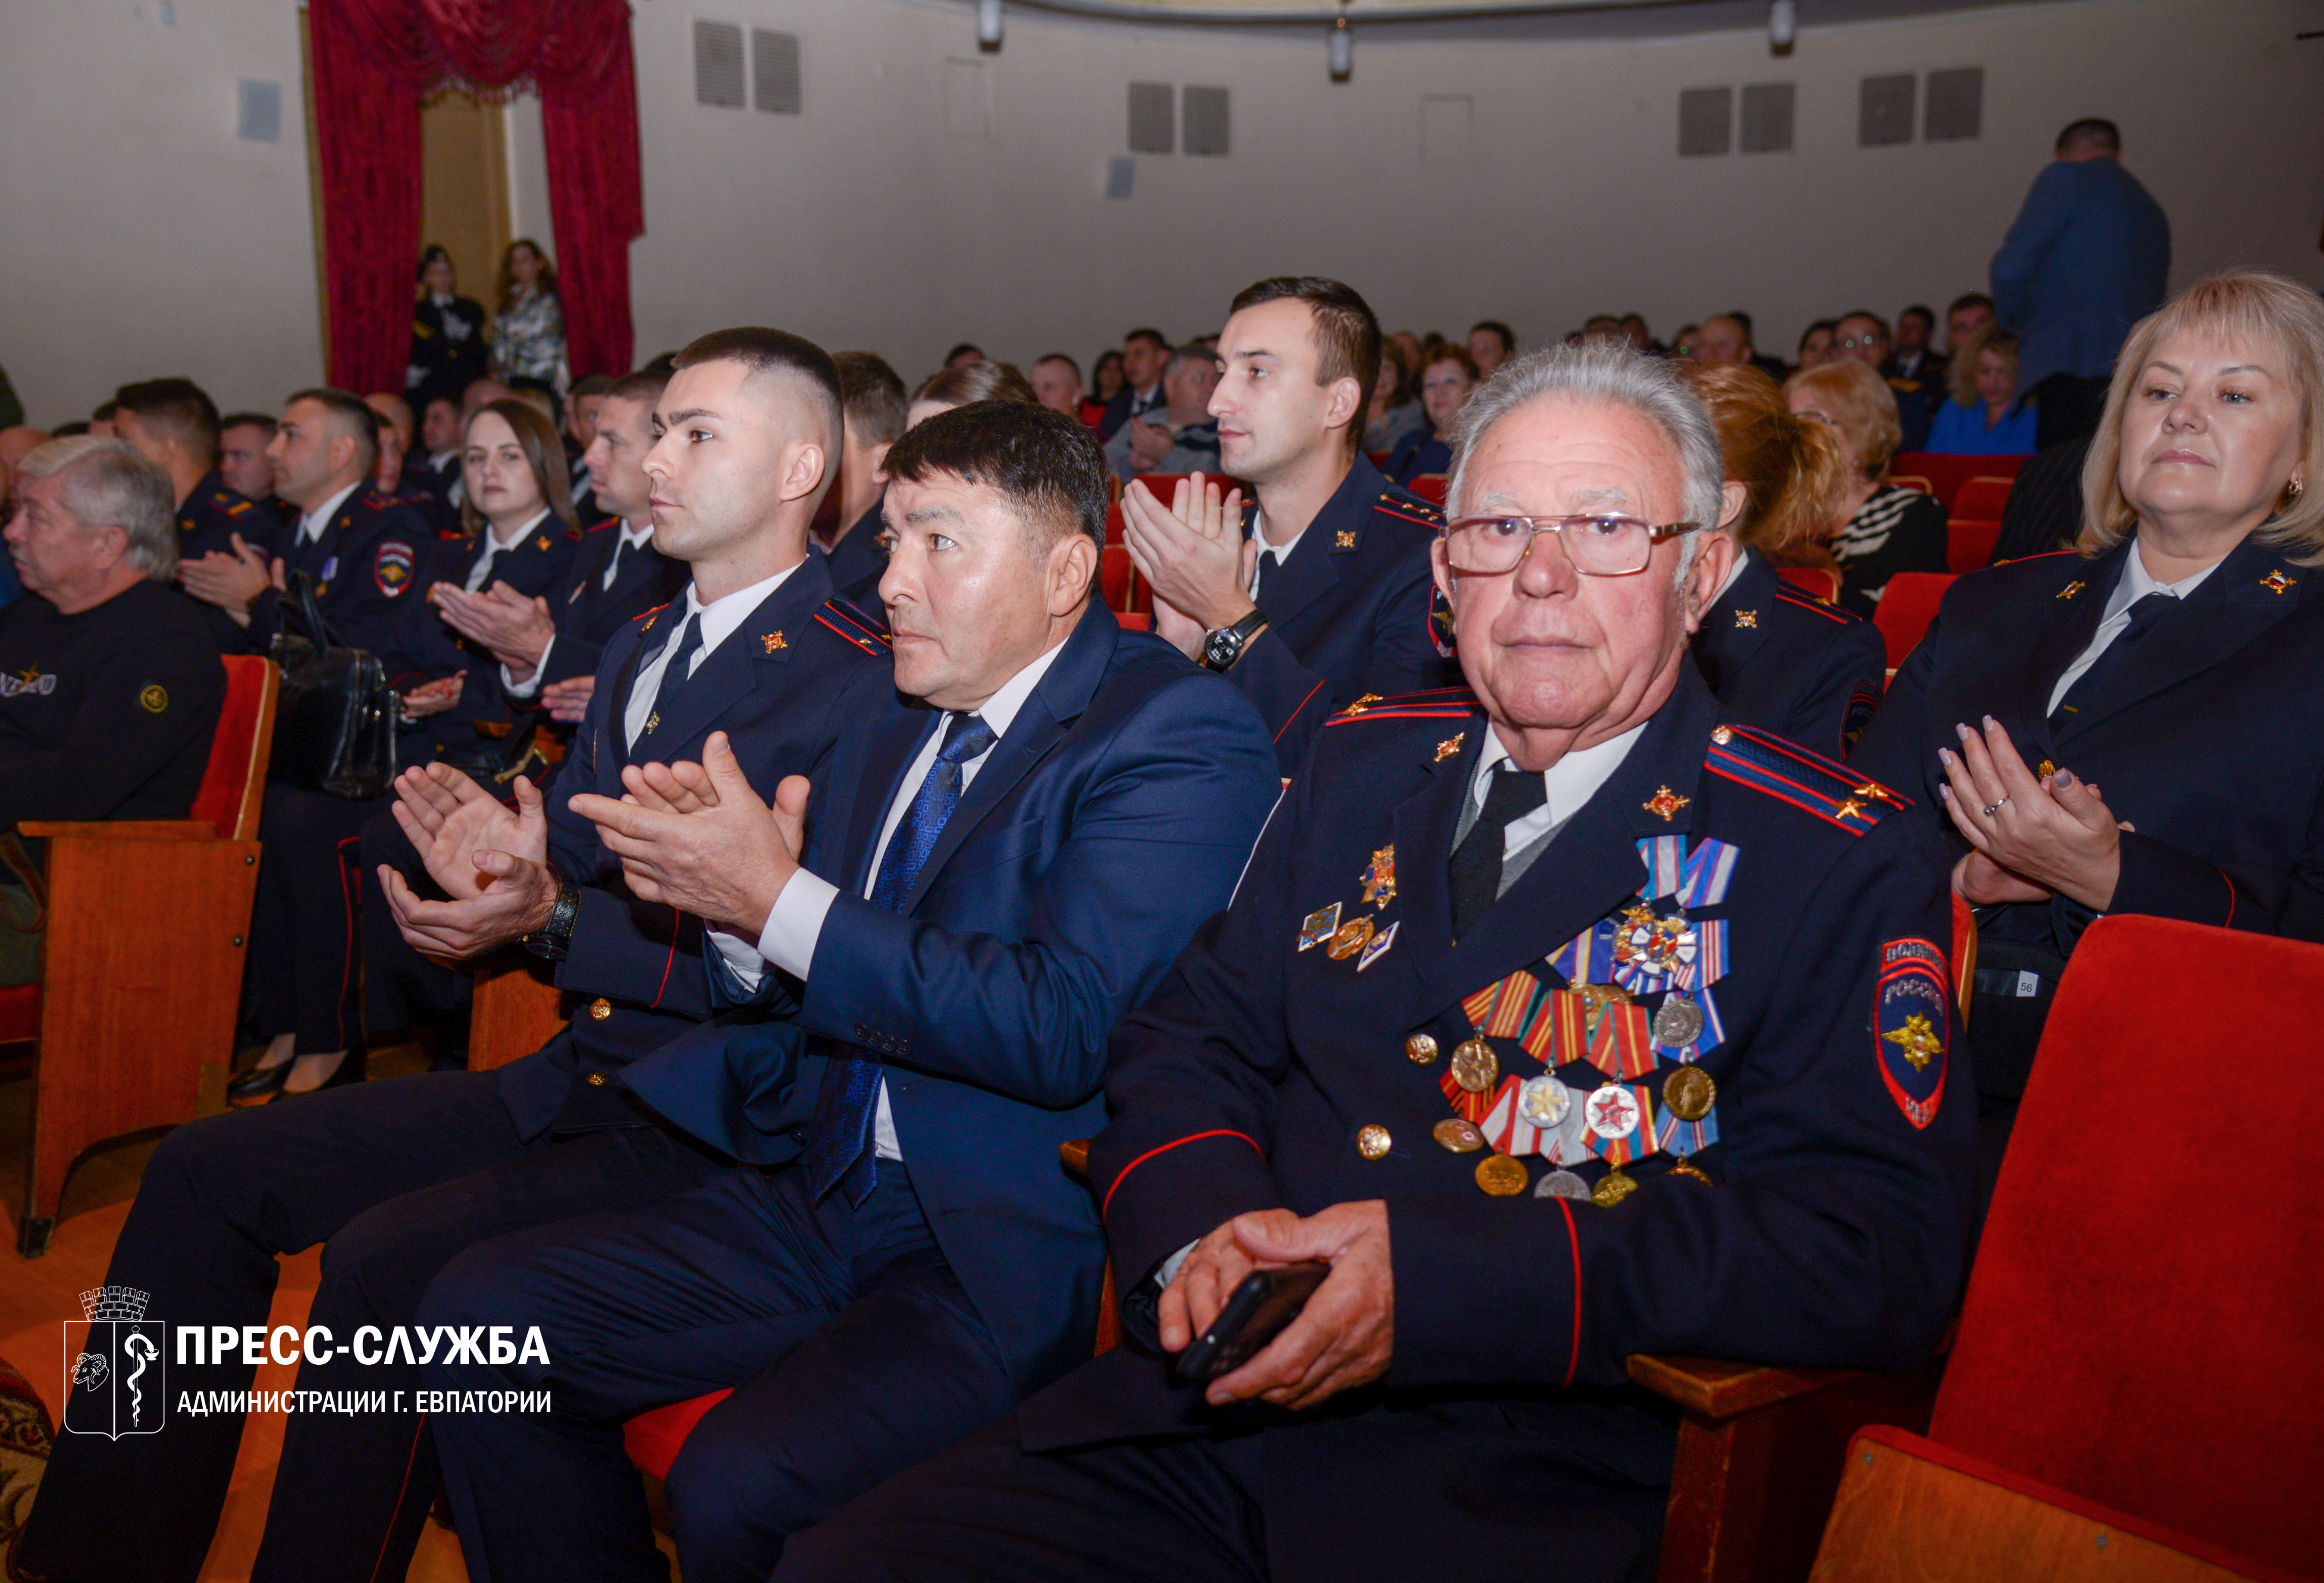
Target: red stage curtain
(373, 59)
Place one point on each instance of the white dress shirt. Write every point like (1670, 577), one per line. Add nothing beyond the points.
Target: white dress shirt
(493, 548)
(312, 525)
(2135, 583)
(1569, 783)
(719, 618)
(796, 921)
(1281, 552)
(633, 541)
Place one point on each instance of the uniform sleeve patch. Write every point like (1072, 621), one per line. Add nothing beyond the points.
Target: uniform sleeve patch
(1912, 1026)
(390, 567)
(155, 698)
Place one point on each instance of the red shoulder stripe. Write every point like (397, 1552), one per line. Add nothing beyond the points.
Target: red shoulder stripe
(1832, 613)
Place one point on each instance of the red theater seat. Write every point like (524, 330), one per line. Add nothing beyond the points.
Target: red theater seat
(125, 1029)
(1429, 487)
(1969, 541)
(1908, 605)
(2135, 1368)
(1944, 474)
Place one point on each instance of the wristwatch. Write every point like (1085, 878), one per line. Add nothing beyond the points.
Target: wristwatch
(552, 939)
(1224, 647)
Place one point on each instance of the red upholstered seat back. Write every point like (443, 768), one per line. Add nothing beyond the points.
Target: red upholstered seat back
(1982, 497)
(2145, 1326)
(1946, 473)
(1429, 487)
(1908, 603)
(233, 780)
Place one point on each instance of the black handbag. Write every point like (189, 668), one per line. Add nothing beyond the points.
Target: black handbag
(335, 722)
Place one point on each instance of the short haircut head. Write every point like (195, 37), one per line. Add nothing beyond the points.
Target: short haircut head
(1878, 321)
(1741, 318)
(1047, 466)
(177, 408)
(1861, 405)
(1160, 342)
(1347, 332)
(591, 384)
(1602, 374)
(643, 388)
(398, 412)
(1969, 300)
(530, 387)
(777, 353)
(871, 395)
(345, 414)
(1060, 357)
(2092, 132)
(254, 420)
(1828, 326)
(105, 484)
(1508, 338)
(976, 382)
(965, 349)
(1919, 310)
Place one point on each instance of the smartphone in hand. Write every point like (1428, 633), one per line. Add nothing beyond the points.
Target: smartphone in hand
(1260, 1307)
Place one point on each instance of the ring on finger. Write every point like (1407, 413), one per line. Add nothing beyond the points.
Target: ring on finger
(1991, 807)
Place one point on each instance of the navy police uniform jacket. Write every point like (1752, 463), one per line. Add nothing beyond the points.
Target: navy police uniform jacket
(2203, 737)
(1109, 821)
(207, 522)
(427, 648)
(859, 560)
(774, 686)
(589, 614)
(1303, 1050)
(1348, 613)
(1787, 662)
(370, 559)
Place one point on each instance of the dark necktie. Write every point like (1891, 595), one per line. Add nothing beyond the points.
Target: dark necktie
(1268, 566)
(684, 645)
(842, 1154)
(2149, 609)
(1476, 862)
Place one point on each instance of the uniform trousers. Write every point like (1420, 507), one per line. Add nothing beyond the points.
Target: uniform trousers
(851, 1347)
(305, 937)
(1475, 1487)
(394, 1176)
(401, 987)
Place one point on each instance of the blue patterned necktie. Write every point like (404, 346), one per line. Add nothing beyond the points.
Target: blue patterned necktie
(842, 1154)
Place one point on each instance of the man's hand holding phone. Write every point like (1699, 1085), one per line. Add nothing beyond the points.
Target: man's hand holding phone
(1342, 1338)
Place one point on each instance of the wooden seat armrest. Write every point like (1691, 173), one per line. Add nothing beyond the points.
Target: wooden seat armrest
(120, 830)
(1717, 1389)
(1076, 1155)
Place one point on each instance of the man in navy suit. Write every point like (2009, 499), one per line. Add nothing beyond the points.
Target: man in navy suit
(1562, 1022)
(400, 1175)
(1318, 593)
(1008, 851)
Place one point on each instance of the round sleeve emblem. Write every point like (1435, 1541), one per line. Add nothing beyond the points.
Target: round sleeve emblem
(155, 698)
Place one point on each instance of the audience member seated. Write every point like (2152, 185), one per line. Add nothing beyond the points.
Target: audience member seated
(1183, 438)
(964, 382)
(448, 332)
(526, 335)
(966, 353)
(1057, 382)
(1978, 420)
(100, 421)
(1491, 344)
(1105, 379)
(1314, 593)
(1816, 348)
(874, 413)
(581, 404)
(435, 464)
(110, 684)
(1969, 312)
(1395, 410)
(399, 1176)
(516, 533)
(2045, 509)
(173, 424)
(898, 1257)
(1683, 344)
(1913, 356)
(2172, 662)
(1864, 338)
(1723, 339)
(388, 473)
(1314, 1083)
(1448, 376)
(1641, 339)
(1775, 657)
(481, 393)
(538, 394)
(1143, 353)
(1882, 528)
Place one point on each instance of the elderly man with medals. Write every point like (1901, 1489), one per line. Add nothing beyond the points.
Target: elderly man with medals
(1562, 1022)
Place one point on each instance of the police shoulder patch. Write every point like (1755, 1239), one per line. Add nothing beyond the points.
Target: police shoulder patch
(1912, 1026)
(850, 621)
(1810, 781)
(390, 567)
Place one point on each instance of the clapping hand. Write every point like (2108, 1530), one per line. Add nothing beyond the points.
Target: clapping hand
(493, 864)
(515, 629)
(433, 698)
(1194, 556)
(568, 700)
(699, 839)
(2034, 835)
(232, 581)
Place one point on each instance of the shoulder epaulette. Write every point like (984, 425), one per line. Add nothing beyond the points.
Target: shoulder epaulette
(229, 505)
(1810, 781)
(610, 522)
(644, 620)
(1823, 607)
(849, 622)
(574, 532)
(1438, 703)
(452, 535)
(1417, 512)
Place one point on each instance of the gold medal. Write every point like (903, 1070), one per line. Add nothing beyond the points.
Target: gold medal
(1459, 1134)
(1372, 1142)
(1689, 1092)
(1422, 1049)
(1474, 1065)
(1687, 1168)
(1502, 1176)
(1351, 937)
(1612, 1189)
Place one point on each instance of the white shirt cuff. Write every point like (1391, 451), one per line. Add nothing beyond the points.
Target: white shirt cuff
(796, 923)
(1167, 1270)
(540, 670)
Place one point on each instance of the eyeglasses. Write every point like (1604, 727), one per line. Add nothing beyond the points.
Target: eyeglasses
(1861, 340)
(1596, 545)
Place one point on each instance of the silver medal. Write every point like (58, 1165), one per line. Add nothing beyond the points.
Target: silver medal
(1544, 1101)
(1677, 1023)
(1561, 1184)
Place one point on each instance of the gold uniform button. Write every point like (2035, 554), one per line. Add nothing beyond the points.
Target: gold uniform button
(1372, 1142)
(1422, 1049)
(600, 1009)
(596, 1079)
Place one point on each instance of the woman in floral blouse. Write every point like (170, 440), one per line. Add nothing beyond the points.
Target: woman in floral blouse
(528, 333)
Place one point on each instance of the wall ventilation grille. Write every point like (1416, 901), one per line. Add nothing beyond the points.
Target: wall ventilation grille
(1204, 110)
(1153, 119)
(1766, 120)
(775, 71)
(1883, 110)
(1956, 108)
(718, 64)
(1706, 121)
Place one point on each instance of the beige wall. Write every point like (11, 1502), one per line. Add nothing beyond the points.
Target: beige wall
(137, 237)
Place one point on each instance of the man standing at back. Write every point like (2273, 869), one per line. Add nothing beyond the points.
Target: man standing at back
(1318, 594)
(2088, 257)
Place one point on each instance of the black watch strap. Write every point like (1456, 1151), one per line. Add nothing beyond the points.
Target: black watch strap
(553, 939)
(1224, 647)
